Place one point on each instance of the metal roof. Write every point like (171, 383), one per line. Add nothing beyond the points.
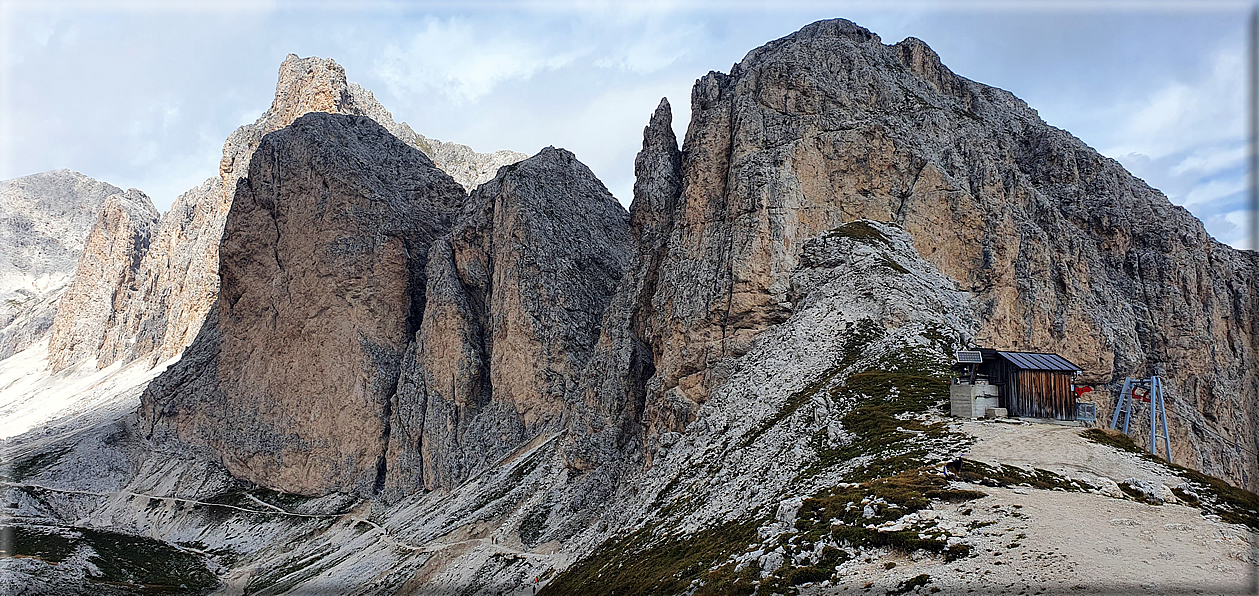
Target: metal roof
(1036, 361)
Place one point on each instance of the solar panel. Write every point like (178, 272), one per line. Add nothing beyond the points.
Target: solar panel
(969, 356)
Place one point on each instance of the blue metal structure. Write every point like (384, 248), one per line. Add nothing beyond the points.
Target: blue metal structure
(1153, 387)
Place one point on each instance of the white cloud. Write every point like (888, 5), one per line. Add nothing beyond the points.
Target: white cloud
(650, 50)
(1205, 161)
(464, 64)
(1213, 190)
(170, 115)
(1233, 228)
(1187, 137)
(1186, 113)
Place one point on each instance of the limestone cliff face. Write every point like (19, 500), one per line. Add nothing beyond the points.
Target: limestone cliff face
(322, 264)
(44, 220)
(1062, 249)
(105, 274)
(177, 282)
(516, 298)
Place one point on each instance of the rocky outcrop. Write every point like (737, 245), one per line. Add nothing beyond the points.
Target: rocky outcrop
(1062, 249)
(323, 284)
(467, 167)
(515, 302)
(44, 220)
(105, 275)
(657, 188)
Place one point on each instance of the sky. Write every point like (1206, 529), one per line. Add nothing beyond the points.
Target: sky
(142, 94)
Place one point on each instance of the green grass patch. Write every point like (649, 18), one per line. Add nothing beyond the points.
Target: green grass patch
(1008, 475)
(785, 579)
(1234, 505)
(286, 501)
(295, 571)
(32, 466)
(840, 514)
(905, 381)
(1113, 438)
(725, 581)
(886, 262)
(150, 566)
(904, 493)
(859, 230)
(647, 563)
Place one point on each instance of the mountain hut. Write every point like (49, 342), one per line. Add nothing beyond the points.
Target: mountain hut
(1029, 384)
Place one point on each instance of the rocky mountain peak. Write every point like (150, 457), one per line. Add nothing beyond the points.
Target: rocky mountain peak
(921, 60)
(657, 176)
(319, 85)
(178, 281)
(835, 28)
(310, 84)
(305, 85)
(1056, 243)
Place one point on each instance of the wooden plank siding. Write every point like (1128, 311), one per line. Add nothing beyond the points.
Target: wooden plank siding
(1045, 394)
(1033, 393)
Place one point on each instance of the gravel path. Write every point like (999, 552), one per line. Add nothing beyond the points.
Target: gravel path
(1029, 541)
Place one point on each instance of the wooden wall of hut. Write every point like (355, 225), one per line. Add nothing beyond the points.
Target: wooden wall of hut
(1034, 393)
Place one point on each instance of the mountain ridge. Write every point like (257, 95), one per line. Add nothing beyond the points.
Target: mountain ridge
(735, 386)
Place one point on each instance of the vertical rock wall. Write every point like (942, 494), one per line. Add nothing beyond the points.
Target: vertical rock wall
(322, 264)
(515, 302)
(105, 274)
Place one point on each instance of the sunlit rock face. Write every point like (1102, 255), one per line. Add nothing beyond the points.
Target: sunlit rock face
(515, 303)
(105, 275)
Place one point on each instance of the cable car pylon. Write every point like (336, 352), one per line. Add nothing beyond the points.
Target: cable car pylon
(1147, 390)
